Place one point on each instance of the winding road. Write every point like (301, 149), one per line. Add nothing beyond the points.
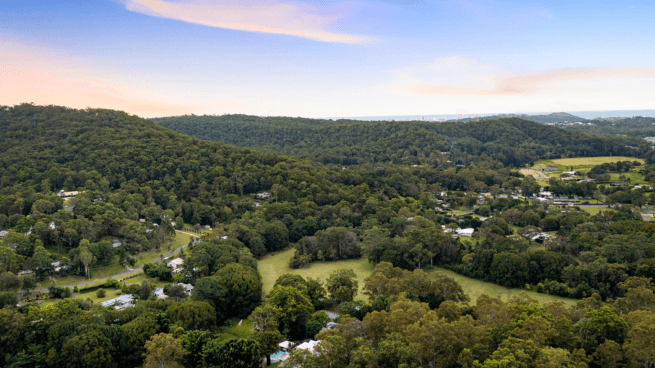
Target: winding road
(128, 273)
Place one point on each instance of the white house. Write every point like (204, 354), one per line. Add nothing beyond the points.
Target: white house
(174, 264)
(264, 195)
(121, 302)
(52, 226)
(310, 345)
(3, 233)
(465, 232)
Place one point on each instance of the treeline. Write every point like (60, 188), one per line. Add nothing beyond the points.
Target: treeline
(511, 141)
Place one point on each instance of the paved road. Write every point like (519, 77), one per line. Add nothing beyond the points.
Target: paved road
(131, 272)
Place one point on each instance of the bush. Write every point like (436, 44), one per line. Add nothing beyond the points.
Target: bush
(112, 284)
(101, 293)
(76, 289)
(8, 299)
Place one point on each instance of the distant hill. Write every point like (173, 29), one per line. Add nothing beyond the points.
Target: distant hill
(636, 127)
(512, 141)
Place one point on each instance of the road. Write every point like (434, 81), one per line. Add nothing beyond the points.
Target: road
(131, 272)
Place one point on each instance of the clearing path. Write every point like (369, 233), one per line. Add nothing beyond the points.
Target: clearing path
(132, 271)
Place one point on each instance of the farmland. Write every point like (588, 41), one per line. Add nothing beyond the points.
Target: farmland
(276, 265)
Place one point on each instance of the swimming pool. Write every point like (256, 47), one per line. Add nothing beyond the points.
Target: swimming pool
(278, 354)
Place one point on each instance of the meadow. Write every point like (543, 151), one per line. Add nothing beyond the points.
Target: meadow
(581, 163)
(274, 266)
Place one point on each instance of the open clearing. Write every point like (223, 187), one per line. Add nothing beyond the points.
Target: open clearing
(276, 265)
(581, 163)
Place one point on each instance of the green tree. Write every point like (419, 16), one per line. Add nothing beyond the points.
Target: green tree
(265, 321)
(244, 289)
(163, 350)
(342, 285)
(234, 353)
(295, 309)
(193, 342)
(87, 259)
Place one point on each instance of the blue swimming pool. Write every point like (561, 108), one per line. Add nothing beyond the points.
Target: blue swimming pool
(278, 354)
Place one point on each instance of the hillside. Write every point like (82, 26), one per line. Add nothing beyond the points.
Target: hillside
(636, 127)
(511, 141)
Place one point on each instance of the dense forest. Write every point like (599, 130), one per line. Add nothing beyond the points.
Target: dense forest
(399, 216)
(636, 127)
(510, 141)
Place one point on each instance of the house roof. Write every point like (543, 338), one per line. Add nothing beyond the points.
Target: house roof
(309, 345)
(120, 302)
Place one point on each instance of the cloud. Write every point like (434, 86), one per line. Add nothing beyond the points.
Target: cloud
(44, 77)
(458, 76)
(310, 21)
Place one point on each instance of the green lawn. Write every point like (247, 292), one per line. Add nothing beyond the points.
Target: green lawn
(581, 163)
(593, 210)
(276, 265)
(232, 330)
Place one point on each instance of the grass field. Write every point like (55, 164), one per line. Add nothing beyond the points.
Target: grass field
(582, 163)
(593, 210)
(276, 265)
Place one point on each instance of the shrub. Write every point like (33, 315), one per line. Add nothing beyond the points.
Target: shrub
(76, 289)
(101, 293)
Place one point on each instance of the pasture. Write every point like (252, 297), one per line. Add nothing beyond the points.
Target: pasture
(276, 265)
(581, 163)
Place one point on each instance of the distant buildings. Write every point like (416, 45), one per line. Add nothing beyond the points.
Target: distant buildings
(3, 233)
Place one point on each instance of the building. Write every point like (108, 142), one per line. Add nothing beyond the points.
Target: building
(116, 244)
(121, 302)
(549, 169)
(63, 194)
(174, 264)
(310, 345)
(3, 233)
(159, 293)
(187, 287)
(264, 195)
(465, 232)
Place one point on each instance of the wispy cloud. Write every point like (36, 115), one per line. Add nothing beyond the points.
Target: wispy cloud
(310, 21)
(41, 76)
(457, 76)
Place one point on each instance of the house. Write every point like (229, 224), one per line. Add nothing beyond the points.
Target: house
(224, 237)
(57, 266)
(310, 345)
(465, 232)
(264, 195)
(159, 293)
(207, 227)
(63, 194)
(540, 237)
(285, 345)
(174, 264)
(142, 220)
(52, 226)
(116, 244)
(564, 199)
(332, 316)
(121, 302)
(3, 233)
(187, 287)
(549, 169)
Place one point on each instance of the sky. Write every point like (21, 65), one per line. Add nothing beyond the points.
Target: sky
(322, 58)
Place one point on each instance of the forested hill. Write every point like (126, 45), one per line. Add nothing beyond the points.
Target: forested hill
(636, 127)
(511, 141)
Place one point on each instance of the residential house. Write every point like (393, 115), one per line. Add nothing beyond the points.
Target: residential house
(309, 345)
(468, 232)
(3, 233)
(176, 263)
(116, 243)
(264, 195)
(159, 293)
(121, 302)
(187, 287)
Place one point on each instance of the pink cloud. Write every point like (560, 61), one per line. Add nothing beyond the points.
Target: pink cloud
(531, 83)
(40, 76)
(278, 17)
